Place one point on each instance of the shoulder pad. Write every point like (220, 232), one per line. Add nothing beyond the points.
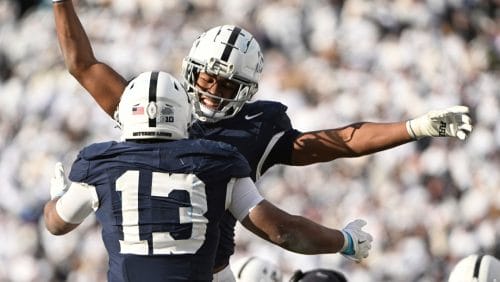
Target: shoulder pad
(267, 110)
(265, 106)
(96, 150)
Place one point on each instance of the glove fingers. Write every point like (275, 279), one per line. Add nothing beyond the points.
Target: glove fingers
(361, 240)
(359, 223)
(364, 251)
(458, 109)
(369, 237)
(465, 127)
(58, 182)
(461, 135)
(466, 119)
(464, 131)
(58, 170)
(352, 258)
(363, 236)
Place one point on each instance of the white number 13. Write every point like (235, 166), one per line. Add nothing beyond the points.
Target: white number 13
(162, 185)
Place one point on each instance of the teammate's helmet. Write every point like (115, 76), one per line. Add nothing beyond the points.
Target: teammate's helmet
(318, 275)
(229, 52)
(254, 269)
(476, 268)
(154, 106)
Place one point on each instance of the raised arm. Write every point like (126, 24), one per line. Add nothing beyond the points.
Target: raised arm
(100, 80)
(365, 138)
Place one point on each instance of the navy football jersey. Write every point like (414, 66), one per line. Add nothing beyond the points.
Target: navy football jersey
(263, 134)
(160, 204)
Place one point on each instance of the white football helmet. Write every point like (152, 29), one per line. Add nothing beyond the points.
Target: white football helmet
(226, 51)
(254, 269)
(476, 268)
(154, 105)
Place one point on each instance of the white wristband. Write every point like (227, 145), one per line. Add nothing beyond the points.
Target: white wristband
(57, 1)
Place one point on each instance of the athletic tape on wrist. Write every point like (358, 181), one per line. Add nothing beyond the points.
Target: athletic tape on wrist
(349, 249)
(410, 130)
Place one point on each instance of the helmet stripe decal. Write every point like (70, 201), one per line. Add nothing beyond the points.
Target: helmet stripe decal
(153, 82)
(230, 43)
(477, 266)
(244, 265)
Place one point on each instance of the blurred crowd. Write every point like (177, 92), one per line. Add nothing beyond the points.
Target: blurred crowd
(428, 203)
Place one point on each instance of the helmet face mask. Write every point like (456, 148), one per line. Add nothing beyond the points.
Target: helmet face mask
(154, 106)
(225, 52)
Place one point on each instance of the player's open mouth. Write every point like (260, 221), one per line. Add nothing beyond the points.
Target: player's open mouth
(211, 103)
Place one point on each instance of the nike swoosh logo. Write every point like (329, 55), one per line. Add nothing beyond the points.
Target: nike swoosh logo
(247, 117)
(361, 242)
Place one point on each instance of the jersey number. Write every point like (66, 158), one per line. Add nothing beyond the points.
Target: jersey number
(163, 184)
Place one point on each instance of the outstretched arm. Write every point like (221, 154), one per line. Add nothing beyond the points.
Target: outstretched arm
(295, 233)
(365, 138)
(100, 80)
(350, 141)
(301, 235)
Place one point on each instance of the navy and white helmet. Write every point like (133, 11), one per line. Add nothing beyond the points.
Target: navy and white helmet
(255, 269)
(476, 268)
(230, 52)
(154, 106)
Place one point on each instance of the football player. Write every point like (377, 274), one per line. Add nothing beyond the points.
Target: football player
(159, 196)
(221, 74)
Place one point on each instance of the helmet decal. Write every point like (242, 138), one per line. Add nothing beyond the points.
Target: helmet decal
(154, 106)
(477, 265)
(153, 82)
(230, 44)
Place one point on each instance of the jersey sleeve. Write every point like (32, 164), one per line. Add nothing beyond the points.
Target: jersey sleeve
(244, 197)
(280, 146)
(77, 203)
(79, 170)
(223, 159)
(88, 156)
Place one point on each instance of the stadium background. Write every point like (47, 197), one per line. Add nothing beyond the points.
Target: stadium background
(428, 203)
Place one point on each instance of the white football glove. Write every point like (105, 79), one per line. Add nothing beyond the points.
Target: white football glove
(58, 183)
(450, 122)
(357, 242)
